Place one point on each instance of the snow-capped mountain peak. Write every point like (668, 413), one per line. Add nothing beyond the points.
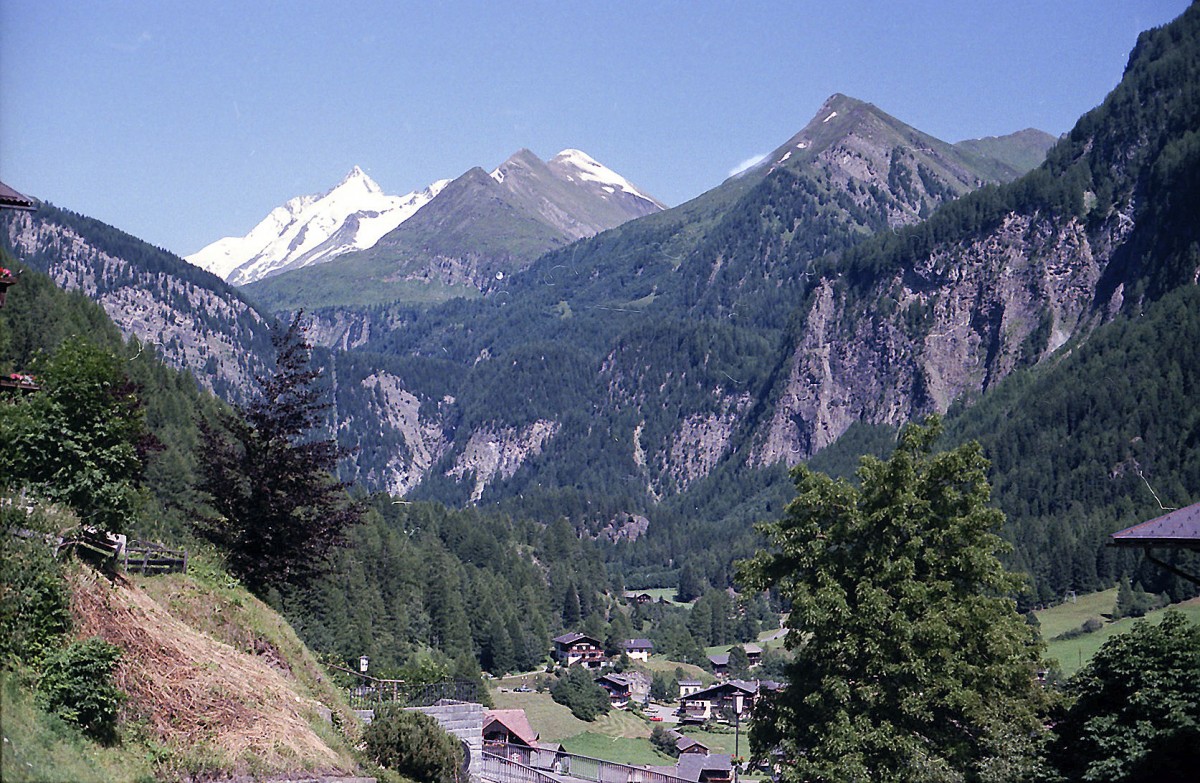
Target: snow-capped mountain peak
(312, 229)
(589, 170)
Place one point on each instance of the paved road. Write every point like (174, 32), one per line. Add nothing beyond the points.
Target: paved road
(667, 713)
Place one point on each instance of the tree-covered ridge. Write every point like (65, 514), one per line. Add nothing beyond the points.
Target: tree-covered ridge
(67, 333)
(196, 321)
(1095, 442)
(465, 586)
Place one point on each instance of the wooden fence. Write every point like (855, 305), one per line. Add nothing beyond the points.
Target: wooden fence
(145, 557)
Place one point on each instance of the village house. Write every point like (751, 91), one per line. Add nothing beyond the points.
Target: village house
(638, 649)
(733, 697)
(688, 687)
(686, 744)
(507, 733)
(625, 688)
(503, 728)
(577, 648)
(720, 661)
(639, 599)
(701, 768)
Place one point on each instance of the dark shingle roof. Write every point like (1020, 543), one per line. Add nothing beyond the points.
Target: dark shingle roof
(11, 199)
(1179, 528)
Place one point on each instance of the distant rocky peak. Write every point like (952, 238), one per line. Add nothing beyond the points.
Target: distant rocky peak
(579, 164)
(357, 179)
(520, 161)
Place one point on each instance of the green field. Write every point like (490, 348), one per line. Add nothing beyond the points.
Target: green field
(722, 742)
(658, 663)
(623, 750)
(662, 594)
(1070, 615)
(615, 736)
(551, 720)
(1073, 653)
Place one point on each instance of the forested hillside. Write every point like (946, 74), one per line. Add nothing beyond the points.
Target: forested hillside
(1052, 318)
(194, 320)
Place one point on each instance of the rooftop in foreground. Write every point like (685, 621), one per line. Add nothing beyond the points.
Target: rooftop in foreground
(1179, 529)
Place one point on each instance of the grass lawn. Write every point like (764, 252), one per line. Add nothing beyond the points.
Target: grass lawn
(624, 750)
(1072, 614)
(658, 663)
(547, 717)
(1073, 653)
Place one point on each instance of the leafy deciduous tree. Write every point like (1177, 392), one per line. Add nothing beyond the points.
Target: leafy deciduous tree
(915, 664)
(82, 439)
(414, 745)
(1136, 709)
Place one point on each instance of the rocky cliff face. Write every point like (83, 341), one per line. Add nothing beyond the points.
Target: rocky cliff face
(193, 326)
(962, 318)
(495, 453)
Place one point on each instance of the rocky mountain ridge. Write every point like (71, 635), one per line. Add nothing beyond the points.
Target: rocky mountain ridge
(477, 229)
(188, 316)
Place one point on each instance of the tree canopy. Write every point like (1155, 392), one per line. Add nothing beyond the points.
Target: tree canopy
(80, 440)
(1135, 714)
(912, 661)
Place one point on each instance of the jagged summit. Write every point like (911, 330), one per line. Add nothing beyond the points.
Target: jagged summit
(309, 230)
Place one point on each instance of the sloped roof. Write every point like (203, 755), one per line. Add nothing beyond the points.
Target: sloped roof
(575, 636)
(515, 721)
(11, 199)
(639, 644)
(685, 742)
(691, 765)
(1179, 529)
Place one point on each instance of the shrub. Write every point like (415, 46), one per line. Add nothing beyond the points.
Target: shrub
(76, 684)
(581, 694)
(414, 745)
(34, 607)
(663, 741)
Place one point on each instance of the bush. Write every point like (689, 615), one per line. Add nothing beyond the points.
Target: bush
(581, 694)
(76, 684)
(663, 741)
(414, 745)
(34, 607)
(1090, 625)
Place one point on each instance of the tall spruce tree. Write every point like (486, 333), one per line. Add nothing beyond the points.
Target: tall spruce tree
(916, 665)
(269, 475)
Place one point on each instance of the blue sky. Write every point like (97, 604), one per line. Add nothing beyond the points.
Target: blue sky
(182, 122)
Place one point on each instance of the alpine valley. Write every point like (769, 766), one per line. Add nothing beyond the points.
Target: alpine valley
(549, 338)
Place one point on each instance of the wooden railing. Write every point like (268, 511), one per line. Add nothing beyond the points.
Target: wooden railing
(502, 770)
(145, 557)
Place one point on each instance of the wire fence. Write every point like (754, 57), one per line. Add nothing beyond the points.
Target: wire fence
(575, 766)
(372, 692)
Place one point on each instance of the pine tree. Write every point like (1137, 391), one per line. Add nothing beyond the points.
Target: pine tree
(269, 476)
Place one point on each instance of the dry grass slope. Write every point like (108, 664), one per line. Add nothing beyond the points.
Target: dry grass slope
(218, 707)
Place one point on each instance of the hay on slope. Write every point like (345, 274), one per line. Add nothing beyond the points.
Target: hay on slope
(195, 691)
